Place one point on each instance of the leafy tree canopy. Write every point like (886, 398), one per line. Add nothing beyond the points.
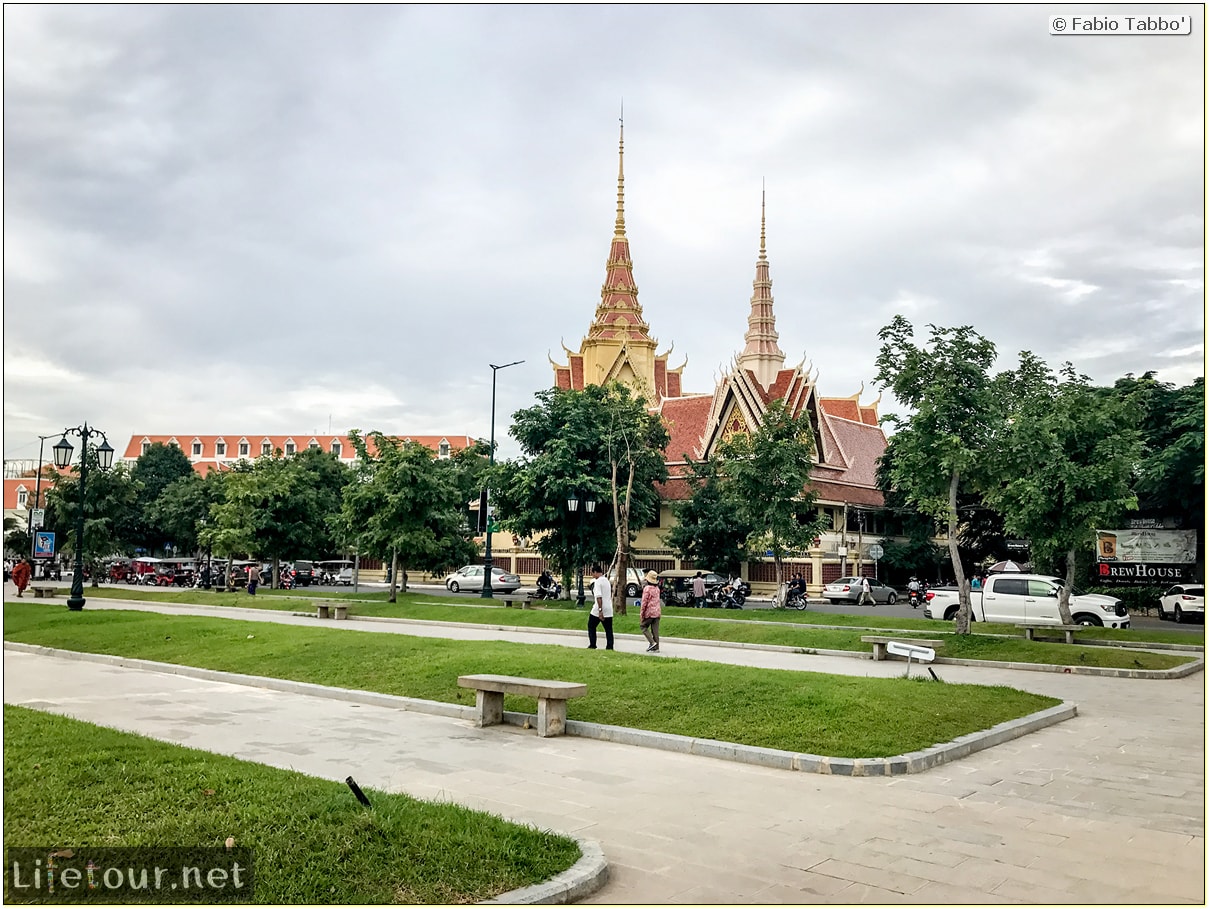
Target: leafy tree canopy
(710, 529)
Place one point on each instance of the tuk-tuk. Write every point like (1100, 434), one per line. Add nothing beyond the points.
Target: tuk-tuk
(337, 571)
(676, 585)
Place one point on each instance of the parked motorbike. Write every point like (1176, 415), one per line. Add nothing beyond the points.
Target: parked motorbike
(548, 593)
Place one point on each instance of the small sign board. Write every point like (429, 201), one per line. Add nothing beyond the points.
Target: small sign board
(876, 551)
(44, 545)
(911, 651)
(38, 518)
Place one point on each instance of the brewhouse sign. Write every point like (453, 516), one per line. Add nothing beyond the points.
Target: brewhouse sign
(1145, 555)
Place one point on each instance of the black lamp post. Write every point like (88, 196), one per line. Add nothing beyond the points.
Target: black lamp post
(488, 561)
(63, 450)
(589, 508)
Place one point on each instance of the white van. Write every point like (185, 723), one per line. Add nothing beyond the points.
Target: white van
(1015, 597)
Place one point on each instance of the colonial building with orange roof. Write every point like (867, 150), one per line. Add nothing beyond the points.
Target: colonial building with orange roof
(848, 439)
(222, 452)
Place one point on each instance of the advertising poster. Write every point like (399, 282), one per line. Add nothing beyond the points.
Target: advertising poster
(44, 545)
(1172, 547)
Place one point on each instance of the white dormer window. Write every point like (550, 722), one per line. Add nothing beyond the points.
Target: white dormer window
(336, 448)
(290, 448)
(197, 448)
(266, 447)
(22, 497)
(312, 444)
(244, 448)
(173, 441)
(443, 449)
(220, 449)
(146, 446)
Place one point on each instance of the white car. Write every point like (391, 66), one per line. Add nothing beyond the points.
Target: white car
(633, 587)
(470, 577)
(1182, 600)
(847, 590)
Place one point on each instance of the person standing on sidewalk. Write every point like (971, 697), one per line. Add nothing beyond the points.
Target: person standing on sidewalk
(651, 611)
(253, 578)
(21, 575)
(602, 609)
(699, 591)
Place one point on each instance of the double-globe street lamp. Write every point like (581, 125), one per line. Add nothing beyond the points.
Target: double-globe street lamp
(488, 561)
(589, 508)
(62, 450)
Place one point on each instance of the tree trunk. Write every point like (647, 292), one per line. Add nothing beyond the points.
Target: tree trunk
(276, 579)
(1064, 593)
(394, 574)
(621, 519)
(963, 587)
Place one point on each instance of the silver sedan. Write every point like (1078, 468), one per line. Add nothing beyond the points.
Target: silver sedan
(848, 590)
(470, 577)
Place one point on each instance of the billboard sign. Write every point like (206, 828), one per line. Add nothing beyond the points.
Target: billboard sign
(44, 545)
(1146, 545)
(1155, 574)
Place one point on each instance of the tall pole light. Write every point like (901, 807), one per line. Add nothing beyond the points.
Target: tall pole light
(37, 497)
(488, 561)
(62, 451)
(589, 508)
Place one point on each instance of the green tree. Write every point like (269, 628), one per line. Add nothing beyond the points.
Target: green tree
(156, 468)
(110, 511)
(766, 474)
(1066, 461)
(406, 506)
(16, 537)
(570, 441)
(946, 442)
(709, 528)
(183, 508)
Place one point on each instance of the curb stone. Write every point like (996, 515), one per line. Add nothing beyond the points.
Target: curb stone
(911, 762)
(582, 879)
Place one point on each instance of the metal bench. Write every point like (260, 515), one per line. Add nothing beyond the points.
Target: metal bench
(551, 699)
(325, 611)
(879, 643)
(1030, 629)
(42, 590)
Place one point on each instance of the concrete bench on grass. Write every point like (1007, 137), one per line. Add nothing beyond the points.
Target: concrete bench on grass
(551, 699)
(1030, 629)
(42, 590)
(509, 598)
(879, 643)
(325, 611)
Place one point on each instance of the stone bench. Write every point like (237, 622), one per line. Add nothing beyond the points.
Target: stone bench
(42, 590)
(509, 598)
(551, 699)
(1030, 629)
(879, 643)
(325, 611)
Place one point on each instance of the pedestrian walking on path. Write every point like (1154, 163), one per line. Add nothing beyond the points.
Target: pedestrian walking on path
(21, 574)
(602, 609)
(866, 598)
(651, 611)
(699, 591)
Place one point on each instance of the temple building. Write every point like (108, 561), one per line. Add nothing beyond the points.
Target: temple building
(847, 438)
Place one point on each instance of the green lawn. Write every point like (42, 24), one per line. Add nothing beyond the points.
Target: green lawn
(790, 629)
(844, 716)
(73, 784)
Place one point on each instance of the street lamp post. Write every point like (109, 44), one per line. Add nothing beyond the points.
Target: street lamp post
(33, 547)
(62, 450)
(488, 561)
(589, 508)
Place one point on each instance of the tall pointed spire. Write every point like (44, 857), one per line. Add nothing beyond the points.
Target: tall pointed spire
(619, 225)
(761, 354)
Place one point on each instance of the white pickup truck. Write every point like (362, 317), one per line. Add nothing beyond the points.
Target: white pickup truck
(1019, 597)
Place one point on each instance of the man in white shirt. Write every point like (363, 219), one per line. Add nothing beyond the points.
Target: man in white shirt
(865, 594)
(602, 609)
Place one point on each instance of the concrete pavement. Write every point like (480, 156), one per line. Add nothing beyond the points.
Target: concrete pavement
(1107, 807)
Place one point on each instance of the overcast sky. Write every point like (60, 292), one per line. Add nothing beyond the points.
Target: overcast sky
(254, 219)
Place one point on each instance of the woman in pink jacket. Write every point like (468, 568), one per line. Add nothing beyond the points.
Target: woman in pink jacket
(651, 611)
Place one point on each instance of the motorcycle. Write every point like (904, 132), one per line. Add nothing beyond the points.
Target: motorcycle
(795, 600)
(548, 593)
(724, 598)
(914, 597)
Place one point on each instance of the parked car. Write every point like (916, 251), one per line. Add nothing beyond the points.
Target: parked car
(633, 586)
(848, 590)
(470, 577)
(303, 573)
(1018, 597)
(1183, 601)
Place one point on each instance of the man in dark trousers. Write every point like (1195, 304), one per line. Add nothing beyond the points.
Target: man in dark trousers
(602, 609)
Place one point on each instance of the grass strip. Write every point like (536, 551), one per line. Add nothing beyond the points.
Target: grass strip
(72, 784)
(844, 716)
(687, 623)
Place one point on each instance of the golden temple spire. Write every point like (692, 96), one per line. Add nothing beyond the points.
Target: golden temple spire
(763, 257)
(761, 354)
(619, 226)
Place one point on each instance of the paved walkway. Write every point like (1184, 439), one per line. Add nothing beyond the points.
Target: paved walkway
(1108, 807)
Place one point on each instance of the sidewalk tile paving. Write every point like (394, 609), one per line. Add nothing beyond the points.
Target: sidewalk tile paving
(1106, 807)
